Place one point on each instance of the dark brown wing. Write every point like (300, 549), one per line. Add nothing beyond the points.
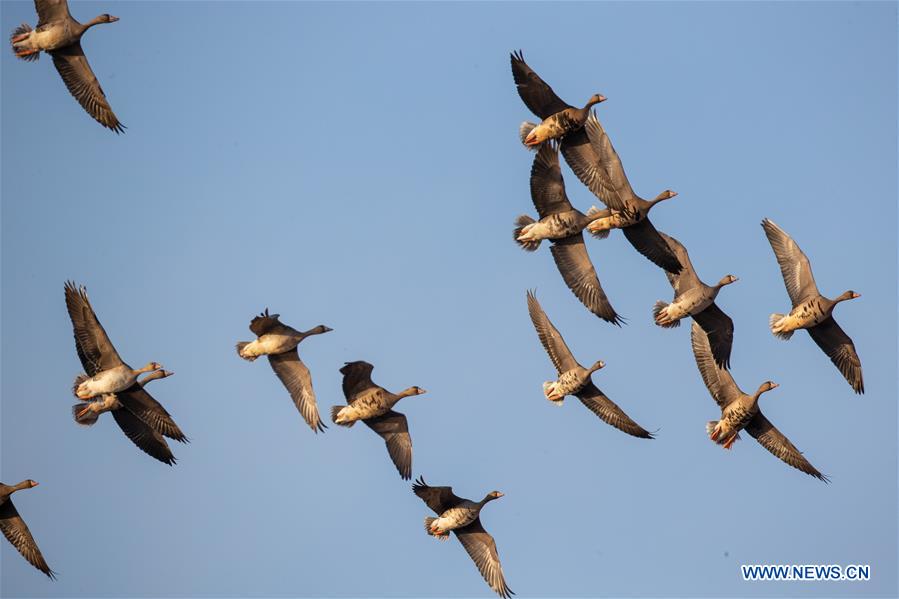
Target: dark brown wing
(264, 323)
(718, 381)
(647, 240)
(535, 93)
(720, 329)
(16, 532)
(686, 279)
(578, 272)
(794, 265)
(94, 348)
(839, 347)
(550, 337)
(438, 499)
(547, 186)
(774, 441)
(140, 403)
(482, 549)
(609, 412)
(593, 159)
(295, 376)
(76, 73)
(144, 436)
(49, 11)
(394, 429)
(356, 379)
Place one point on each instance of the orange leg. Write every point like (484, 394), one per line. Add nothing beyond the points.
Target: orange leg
(24, 53)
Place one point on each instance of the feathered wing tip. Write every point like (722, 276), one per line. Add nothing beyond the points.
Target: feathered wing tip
(597, 234)
(335, 410)
(83, 415)
(240, 347)
(520, 223)
(523, 131)
(661, 318)
(77, 383)
(773, 320)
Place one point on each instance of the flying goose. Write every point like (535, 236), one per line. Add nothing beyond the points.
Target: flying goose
(694, 298)
(373, 405)
(574, 379)
(562, 223)
(59, 35)
(811, 310)
(741, 411)
(462, 517)
(559, 118)
(279, 342)
(142, 418)
(16, 531)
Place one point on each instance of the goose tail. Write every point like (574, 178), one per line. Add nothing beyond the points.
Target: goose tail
(77, 383)
(522, 224)
(523, 131)
(83, 415)
(19, 35)
(773, 321)
(241, 351)
(335, 416)
(660, 315)
(428, 522)
(602, 233)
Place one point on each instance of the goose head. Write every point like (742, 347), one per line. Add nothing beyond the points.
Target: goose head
(599, 364)
(665, 195)
(414, 390)
(847, 295)
(31, 483)
(107, 18)
(321, 329)
(765, 387)
(151, 366)
(727, 280)
(492, 495)
(595, 99)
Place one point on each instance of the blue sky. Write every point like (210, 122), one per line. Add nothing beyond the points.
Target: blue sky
(357, 165)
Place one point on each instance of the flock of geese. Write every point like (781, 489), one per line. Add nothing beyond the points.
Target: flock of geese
(109, 384)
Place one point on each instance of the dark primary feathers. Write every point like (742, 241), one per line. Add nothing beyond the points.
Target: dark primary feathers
(264, 324)
(774, 441)
(94, 348)
(535, 93)
(547, 185)
(49, 11)
(438, 499)
(16, 532)
(841, 351)
(144, 436)
(294, 375)
(356, 379)
(139, 402)
(394, 429)
(609, 412)
(81, 82)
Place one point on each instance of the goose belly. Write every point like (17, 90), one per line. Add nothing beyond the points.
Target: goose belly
(370, 405)
(457, 517)
(109, 381)
(805, 315)
(273, 344)
(569, 383)
(735, 418)
(616, 220)
(50, 38)
(692, 302)
(556, 226)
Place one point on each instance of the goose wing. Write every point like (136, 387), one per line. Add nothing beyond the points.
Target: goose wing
(295, 376)
(596, 163)
(356, 379)
(774, 441)
(552, 341)
(482, 549)
(794, 265)
(547, 186)
(266, 323)
(576, 268)
(438, 499)
(831, 338)
(139, 402)
(394, 429)
(94, 348)
(144, 436)
(16, 532)
(49, 11)
(81, 82)
(535, 93)
(719, 382)
(720, 330)
(647, 240)
(609, 412)
(686, 279)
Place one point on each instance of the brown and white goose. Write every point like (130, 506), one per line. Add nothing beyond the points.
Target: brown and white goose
(560, 119)
(279, 342)
(58, 34)
(811, 310)
(142, 418)
(694, 298)
(574, 379)
(740, 411)
(16, 531)
(373, 405)
(462, 516)
(561, 223)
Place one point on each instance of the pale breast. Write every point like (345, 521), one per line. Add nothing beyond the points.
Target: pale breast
(809, 313)
(276, 344)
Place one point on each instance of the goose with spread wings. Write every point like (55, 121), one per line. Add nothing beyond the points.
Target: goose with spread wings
(574, 379)
(694, 298)
(58, 34)
(811, 310)
(563, 224)
(279, 342)
(141, 418)
(740, 411)
(373, 405)
(463, 517)
(16, 531)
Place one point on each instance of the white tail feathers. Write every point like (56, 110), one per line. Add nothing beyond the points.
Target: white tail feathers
(240, 351)
(594, 211)
(520, 224)
(549, 389)
(335, 412)
(428, 521)
(88, 418)
(523, 131)
(772, 322)
(710, 427)
(77, 383)
(711, 430)
(660, 315)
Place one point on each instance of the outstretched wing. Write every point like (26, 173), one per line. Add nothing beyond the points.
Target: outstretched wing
(549, 336)
(81, 82)
(596, 163)
(831, 338)
(49, 11)
(295, 376)
(394, 429)
(535, 93)
(719, 382)
(438, 499)
(647, 240)
(609, 412)
(139, 402)
(579, 274)
(547, 186)
(265, 323)
(356, 379)
(16, 532)
(482, 549)
(794, 265)
(144, 436)
(94, 348)
(774, 441)
(686, 278)
(720, 329)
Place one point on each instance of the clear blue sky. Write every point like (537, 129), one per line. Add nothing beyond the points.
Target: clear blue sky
(357, 165)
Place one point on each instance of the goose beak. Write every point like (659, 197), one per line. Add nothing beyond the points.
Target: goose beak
(328, 329)
(34, 483)
(113, 19)
(602, 98)
(673, 193)
(855, 295)
(774, 385)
